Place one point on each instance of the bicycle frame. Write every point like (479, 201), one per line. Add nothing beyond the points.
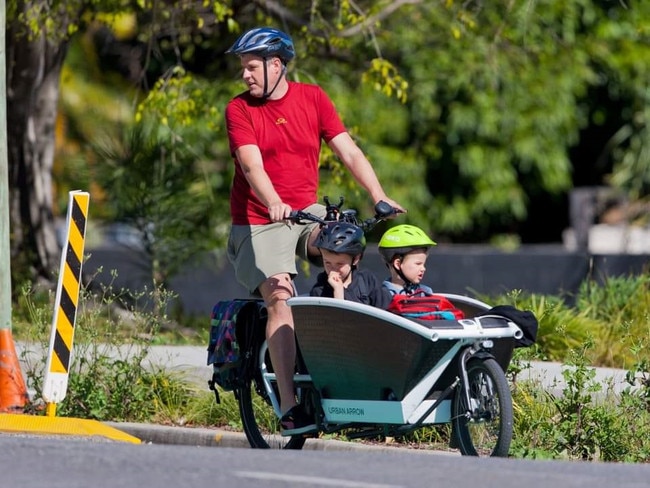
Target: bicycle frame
(368, 372)
(351, 386)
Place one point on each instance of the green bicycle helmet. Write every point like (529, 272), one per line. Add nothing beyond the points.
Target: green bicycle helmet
(402, 239)
(341, 237)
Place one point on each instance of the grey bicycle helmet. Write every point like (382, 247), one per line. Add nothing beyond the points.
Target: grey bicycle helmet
(342, 237)
(265, 42)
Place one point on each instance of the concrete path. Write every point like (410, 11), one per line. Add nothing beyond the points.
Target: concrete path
(191, 362)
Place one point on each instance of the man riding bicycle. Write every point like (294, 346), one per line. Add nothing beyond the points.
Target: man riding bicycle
(275, 129)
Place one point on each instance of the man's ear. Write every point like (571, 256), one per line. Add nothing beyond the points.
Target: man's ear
(277, 62)
(356, 259)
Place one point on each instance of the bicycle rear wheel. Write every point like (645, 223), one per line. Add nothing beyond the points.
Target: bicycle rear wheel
(259, 418)
(484, 427)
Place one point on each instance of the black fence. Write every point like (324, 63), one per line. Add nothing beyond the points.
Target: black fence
(464, 270)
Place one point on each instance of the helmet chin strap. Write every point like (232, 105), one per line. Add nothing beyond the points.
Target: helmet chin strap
(409, 287)
(267, 94)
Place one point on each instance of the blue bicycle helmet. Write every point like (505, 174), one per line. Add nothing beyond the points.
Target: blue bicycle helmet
(265, 42)
(341, 237)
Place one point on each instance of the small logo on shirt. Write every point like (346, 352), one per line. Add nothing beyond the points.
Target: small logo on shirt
(280, 121)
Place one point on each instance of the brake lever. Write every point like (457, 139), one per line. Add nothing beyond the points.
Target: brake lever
(297, 217)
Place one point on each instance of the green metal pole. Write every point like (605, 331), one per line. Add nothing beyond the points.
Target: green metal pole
(13, 390)
(5, 260)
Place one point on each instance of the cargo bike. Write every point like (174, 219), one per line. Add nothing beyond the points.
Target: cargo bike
(367, 373)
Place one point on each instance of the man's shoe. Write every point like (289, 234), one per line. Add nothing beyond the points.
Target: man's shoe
(296, 422)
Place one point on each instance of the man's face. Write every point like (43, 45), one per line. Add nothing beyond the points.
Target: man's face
(253, 73)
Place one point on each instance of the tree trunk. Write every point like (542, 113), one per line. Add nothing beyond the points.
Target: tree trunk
(33, 72)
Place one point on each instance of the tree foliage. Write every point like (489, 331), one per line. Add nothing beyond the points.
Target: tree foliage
(478, 116)
(502, 94)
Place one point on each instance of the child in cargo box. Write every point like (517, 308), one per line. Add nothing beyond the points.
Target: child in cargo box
(404, 250)
(342, 245)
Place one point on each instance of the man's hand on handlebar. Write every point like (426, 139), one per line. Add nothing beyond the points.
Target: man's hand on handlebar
(384, 210)
(302, 217)
(397, 208)
(279, 211)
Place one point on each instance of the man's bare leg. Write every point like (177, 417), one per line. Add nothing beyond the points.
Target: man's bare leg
(275, 291)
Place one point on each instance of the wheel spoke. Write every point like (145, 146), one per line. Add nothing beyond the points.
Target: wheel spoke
(484, 427)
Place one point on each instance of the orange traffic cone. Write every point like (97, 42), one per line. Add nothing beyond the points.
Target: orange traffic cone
(13, 391)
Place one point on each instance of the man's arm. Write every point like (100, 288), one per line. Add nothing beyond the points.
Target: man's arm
(360, 168)
(249, 158)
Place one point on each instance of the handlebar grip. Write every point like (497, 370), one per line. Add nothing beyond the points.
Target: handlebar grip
(299, 216)
(384, 209)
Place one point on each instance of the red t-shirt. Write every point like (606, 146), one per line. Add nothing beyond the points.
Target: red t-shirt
(288, 132)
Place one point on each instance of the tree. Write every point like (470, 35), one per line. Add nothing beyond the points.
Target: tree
(38, 38)
(479, 116)
(33, 69)
(514, 103)
(157, 168)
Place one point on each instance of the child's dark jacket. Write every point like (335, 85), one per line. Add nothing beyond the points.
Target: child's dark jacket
(365, 288)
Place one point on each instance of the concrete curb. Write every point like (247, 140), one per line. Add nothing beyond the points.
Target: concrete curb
(162, 434)
(204, 437)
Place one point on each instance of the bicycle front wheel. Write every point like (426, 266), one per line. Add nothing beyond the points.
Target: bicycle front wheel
(484, 427)
(259, 418)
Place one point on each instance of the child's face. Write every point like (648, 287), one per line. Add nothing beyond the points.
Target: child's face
(338, 263)
(413, 266)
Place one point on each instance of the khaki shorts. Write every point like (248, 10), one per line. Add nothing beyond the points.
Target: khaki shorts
(258, 252)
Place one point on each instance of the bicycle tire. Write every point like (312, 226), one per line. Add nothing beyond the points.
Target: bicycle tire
(487, 430)
(259, 420)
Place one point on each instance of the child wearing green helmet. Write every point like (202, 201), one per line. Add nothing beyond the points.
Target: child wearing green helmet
(404, 250)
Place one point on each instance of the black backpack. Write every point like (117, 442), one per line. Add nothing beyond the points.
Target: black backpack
(237, 329)
(525, 319)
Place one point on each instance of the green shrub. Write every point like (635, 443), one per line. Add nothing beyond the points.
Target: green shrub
(622, 306)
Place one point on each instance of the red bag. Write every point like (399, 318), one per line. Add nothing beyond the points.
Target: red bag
(430, 307)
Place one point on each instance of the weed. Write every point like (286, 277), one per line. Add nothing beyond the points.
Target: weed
(108, 377)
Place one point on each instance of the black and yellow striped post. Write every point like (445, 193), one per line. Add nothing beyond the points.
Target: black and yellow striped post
(55, 382)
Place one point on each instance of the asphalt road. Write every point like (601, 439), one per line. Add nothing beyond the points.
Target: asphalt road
(178, 456)
(69, 463)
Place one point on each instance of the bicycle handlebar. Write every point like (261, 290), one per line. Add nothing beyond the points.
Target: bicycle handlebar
(383, 211)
